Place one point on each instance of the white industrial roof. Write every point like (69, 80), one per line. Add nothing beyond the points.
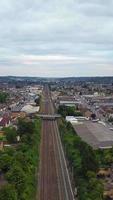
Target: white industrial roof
(30, 109)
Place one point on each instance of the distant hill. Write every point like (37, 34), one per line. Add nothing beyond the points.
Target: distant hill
(102, 80)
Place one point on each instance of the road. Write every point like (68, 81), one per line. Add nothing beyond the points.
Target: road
(54, 180)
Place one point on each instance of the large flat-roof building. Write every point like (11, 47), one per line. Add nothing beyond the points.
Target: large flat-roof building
(95, 134)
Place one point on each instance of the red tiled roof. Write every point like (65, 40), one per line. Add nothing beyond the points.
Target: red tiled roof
(4, 121)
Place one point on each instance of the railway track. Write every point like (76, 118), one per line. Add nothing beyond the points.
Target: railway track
(54, 180)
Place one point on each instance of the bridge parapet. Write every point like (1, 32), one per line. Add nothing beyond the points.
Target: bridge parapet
(49, 117)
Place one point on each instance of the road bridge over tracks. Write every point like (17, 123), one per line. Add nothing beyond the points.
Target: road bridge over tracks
(49, 117)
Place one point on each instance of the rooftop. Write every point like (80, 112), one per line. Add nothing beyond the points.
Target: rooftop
(95, 134)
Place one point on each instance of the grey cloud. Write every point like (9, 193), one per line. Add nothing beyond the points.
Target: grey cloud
(72, 28)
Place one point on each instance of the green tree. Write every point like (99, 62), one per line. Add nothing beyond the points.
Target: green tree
(3, 97)
(96, 187)
(88, 156)
(25, 127)
(110, 119)
(68, 111)
(37, 100)
(11, 134)
(82, 159)
(5, 162)
(20, 164)
(8, 192)
(16, 176)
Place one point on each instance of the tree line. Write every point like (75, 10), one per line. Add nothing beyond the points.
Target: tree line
(19, 164)
(83, 162)
(69, 111)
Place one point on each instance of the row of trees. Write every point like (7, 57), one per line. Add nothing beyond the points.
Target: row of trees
(84, 163)
(19, 165)
(68, 111)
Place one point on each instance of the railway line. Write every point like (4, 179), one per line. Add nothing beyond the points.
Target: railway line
(54, 180)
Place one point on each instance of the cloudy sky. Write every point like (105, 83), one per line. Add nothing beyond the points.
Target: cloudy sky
(56, 37)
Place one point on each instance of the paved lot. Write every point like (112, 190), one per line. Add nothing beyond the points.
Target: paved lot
(95, 134)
